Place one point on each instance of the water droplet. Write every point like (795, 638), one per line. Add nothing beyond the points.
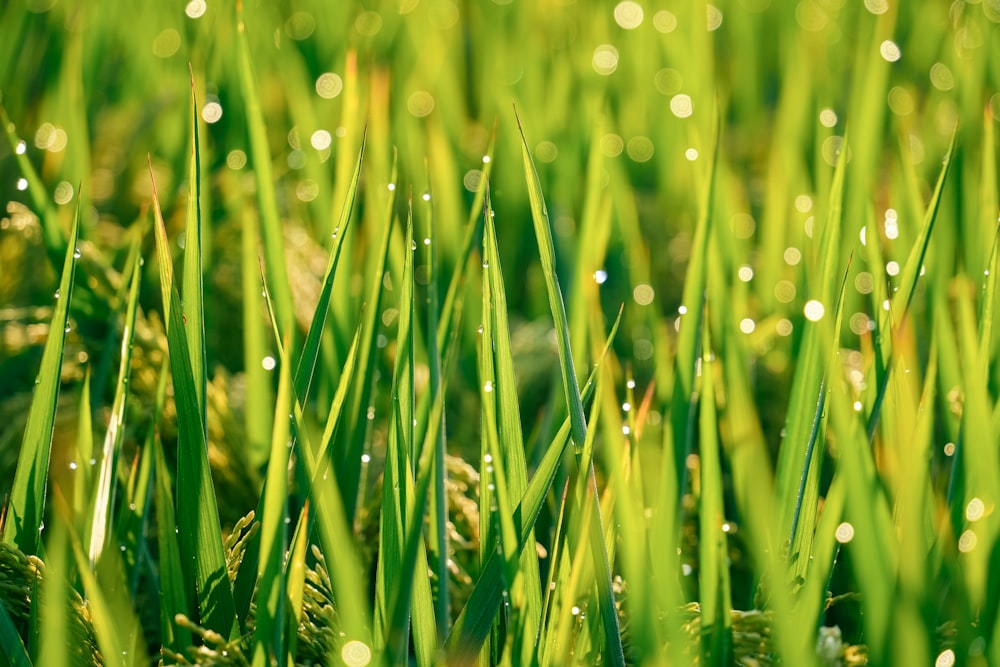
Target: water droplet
(488, 386)
(486, 263)
(57, 294)
(480, 329)
(72, 465)
(413, 245)
(600, 276)
(630, 384)
(21, 147)
(365, 458)
(77, 254)
(426, 196)
(22, 184)
(67, 329)
(427, 241)
(814, 310)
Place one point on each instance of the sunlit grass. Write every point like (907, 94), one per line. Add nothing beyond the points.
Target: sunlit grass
(316, 349)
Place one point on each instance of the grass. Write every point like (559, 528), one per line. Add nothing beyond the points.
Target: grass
(499, 333)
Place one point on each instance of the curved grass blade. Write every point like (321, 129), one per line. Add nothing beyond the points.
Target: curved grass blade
(27, 497)
(571, 389)
(197, 508)
(103, 501)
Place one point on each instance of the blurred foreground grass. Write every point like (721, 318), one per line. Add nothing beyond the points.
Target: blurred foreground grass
(329, 316)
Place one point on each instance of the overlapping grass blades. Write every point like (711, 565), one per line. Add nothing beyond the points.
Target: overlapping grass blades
(202, 559)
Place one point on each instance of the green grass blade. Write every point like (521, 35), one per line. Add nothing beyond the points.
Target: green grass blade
(193, 295)
(713, 571)
(473, 623)
(260, 156)
(26, 507)
(269, 634)
(56, 649)
(310, 350)
(103, 502)
(197, 509)
(12, 649)
(571, 388)
(260, 392)
(509, 461)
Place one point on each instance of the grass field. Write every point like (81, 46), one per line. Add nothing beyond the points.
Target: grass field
(499, 332)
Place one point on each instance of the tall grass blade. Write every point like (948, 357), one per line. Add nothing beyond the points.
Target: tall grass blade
(103, 502)
(192, 295)
(26, 507)
(202, 558)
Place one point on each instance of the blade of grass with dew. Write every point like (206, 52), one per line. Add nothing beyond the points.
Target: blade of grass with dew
(269, 634)
(474, 621)
(260, 393)
(26, 506)
(84, 452)
(197, 508)
(509, 460)
(900, 300)
(683, 406)
(192, 295)
(348, 454)
(310, 349)
(334, 530)
(713, 572)
(571, 387)
(260, 157)
(797, 477)
(437, 529)
(173, 596)
(102, 503)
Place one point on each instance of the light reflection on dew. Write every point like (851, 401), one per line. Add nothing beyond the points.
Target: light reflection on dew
(828, 118)
(612, 145)
(236, 159)
(803, 203)
(643, 294)
(792, 256)
(320, 140)
(784, 291)
(268, 363)
(626, 407)
(420, 103)
(307, 190)
(681, 106)
(329, 85)
(63, 193)
(784, 327)
(426, 196)
(640, 148)
(368, 23)
(212, 112)
(844, 533)
(626, 430)
(900, 101)
(967, 542)
(949, 449)
(22, 146)
(946, 658)
(664, 21)
(166, 43)
(472, 179)
(975, 510)
(546, 151)
(859, 323)
(365, 458)
(605, 60)
(892, 268)
(356, 653)
(864, 235)
(668, 81)
(682, 310)
(890, 51)
(300, 25)
(941, 77)
(747, 325)
(814, 310)
(196, 9)
(713, 18)
(745, 273)
(600, 276)
(877, 7)
(691, 154)
(891, 223)
(488, 387)
(628, 14)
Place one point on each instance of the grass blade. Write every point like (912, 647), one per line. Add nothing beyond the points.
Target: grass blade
(27, 499)
(193, 295)
(197, 509)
